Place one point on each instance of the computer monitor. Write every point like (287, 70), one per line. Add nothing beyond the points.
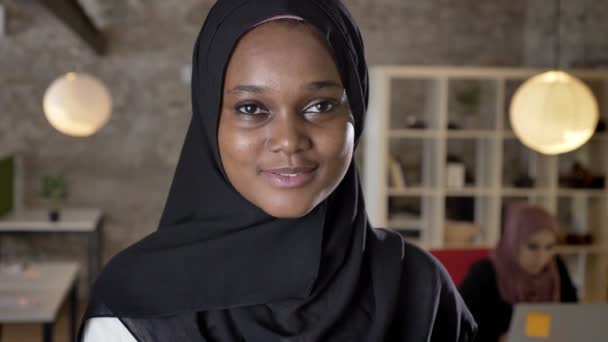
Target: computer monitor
(559, 323)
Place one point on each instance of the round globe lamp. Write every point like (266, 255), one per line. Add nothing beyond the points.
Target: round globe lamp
(77, 104)
(554, 112)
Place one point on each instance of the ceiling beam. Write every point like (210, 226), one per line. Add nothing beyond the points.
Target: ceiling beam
(73, 15)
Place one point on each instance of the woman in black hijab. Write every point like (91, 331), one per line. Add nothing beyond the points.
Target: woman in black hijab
(264, 236)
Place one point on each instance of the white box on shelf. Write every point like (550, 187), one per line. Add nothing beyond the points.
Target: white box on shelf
(455, 173)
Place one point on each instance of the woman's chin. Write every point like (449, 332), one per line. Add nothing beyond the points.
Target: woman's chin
(288, 208)
(288, 212)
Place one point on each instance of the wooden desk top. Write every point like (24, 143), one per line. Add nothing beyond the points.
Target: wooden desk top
(36, 293)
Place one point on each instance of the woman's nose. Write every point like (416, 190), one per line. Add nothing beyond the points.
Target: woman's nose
(288, 134)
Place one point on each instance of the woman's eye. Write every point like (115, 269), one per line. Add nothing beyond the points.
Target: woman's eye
(533, 247)
(250, 109)
(320, 107)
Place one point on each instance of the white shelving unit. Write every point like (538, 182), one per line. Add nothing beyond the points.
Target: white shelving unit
(491, 153)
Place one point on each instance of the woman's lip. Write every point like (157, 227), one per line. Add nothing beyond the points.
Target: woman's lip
(290, 177)
(291, 170)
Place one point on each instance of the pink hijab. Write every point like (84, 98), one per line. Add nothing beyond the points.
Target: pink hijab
(515, 284)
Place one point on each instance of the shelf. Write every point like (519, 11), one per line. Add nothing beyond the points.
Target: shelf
(451, 134)
(598, 136)
(510, 192)
(458, 247)
(414, 225)
(468, 72)
(565, 192)
(405, 223)
(509, 135)
(523, 192)
(413, 133)
(467, 191)
(471, 134)
(575, 249)
(412, 191)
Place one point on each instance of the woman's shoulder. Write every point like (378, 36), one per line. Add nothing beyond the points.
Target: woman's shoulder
(569, 293)
(479, 278)
(101, 324)
(421, 267)
(429, 291)
(102, 329)
(421, 273)
(417, 260)
(561, 265)
(417, 264)
(483, 267)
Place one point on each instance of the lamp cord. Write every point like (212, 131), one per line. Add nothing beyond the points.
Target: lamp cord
(585, 24)
(556, 29)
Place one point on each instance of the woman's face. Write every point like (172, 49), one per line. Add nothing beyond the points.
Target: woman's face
(286, 134)
(537, 251)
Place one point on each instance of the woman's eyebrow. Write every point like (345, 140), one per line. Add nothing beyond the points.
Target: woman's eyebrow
(255, 89)
(247, 89)
(318, 85)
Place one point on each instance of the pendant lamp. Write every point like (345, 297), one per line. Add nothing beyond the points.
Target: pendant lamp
(554, 112)
(77, 104)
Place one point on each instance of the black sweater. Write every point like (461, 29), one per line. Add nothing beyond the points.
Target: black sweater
(479, 290)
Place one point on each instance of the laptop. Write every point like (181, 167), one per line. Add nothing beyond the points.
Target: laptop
(559, 323)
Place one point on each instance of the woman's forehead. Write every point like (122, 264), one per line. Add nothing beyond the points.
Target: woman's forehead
(281, 34)
(273, 50)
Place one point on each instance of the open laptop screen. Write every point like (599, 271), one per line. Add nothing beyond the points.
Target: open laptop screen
(559, 323)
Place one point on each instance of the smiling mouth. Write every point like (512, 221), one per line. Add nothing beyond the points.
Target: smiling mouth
(290, 177)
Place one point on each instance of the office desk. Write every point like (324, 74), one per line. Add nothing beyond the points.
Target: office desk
(88, 222)
(36, 294)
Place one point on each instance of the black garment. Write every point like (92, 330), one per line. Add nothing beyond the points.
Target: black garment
(428, 308)
(220, 269)
(479, 290)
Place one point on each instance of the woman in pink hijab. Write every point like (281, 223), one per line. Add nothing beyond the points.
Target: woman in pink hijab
(522, 268)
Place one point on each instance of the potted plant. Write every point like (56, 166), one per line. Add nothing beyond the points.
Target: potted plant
(469, 100)
(54, 191)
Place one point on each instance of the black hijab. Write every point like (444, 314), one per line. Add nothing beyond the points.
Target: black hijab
(227, 266)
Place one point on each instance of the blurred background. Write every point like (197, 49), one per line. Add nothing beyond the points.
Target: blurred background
(115, 181)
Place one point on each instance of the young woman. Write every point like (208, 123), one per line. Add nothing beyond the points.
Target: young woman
(264, 236)
(523, 268)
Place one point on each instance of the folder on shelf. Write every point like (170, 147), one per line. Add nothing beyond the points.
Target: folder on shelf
(396, 178)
